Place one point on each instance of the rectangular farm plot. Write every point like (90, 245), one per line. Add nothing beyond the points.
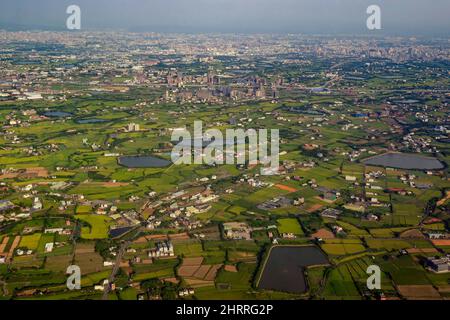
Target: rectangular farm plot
(187, 271)
(84, 248)
(198, 283)
(441, 243)
(30, 261)
(98, 226)
(197, 274)
(389, 245)
(3, 244)
(352, 230)
(89, 262)
(212, 273)
(289, 225)
(338, 249)
(285, 188)
(58, 263)
(419, 292)
(202, 271)
(14, 245)
(87, 259)
(241, 256)
(192, 261)
(30, 242)
(187, 248)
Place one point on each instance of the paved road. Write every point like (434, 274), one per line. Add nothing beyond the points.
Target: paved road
(115, 269)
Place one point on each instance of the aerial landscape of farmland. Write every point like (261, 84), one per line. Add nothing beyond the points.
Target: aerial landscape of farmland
(358, 178)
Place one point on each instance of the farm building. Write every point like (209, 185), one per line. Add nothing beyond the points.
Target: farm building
(440, 265)
(237, 230)
(331, 213)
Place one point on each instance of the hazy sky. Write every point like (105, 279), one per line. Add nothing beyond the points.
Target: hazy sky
(242, 16)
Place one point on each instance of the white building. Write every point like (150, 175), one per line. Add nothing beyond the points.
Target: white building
(49, 247)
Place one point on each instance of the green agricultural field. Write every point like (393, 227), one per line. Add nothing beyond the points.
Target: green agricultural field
(404, 271)
(386, 232)
(128, 294)
(348, 280)
(83, 209)
(237, 245)
(351, 230)
(94, 278)
(290, 225)
(389, 245)
(339, 249)
(435, 227)
(236, 210)
(188, 249)
(98, 226)
(58, 263)
(164, 273)
(30, 241)
(230, 285)
(340, 286)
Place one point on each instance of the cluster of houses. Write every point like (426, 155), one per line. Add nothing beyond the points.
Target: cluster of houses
(6, 205)
(21, 252)
(61, 231)
(163, 249)
(182, 207)
(410, 180)
(417, 143)
(254, 181)
(289, 235)
(237, 231)
(186, 292)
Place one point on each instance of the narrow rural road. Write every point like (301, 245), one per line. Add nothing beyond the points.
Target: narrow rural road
(4, 287)
(115, 269)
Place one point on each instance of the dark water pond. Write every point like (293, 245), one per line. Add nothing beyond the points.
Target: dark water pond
(405, 161)
(408, 101)
(143, 162)
(57, 114)
(284, 269)
(87, 121)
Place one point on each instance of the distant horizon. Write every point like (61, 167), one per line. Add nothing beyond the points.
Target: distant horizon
(378, 34)
(399, 18)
